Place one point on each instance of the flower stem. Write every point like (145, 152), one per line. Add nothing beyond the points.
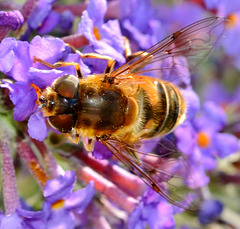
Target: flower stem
(107, 188)
(33, 164)
(10, 196)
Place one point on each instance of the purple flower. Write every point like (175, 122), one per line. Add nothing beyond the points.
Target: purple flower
(212, 4)
(18, 64)
(105, 38)
(23, 219)
(192, 102)
(41, 11)
(202, 142)
(222, 6)
(218, 92)
(153, 212)
(66, 20)
(210, 211)
(62, 204)
(24, 98)
(44, 19)
(7, 54)
(182, 14)
(11, 20)
(37, 122)
(139, 21)
(201, 137)
(32, 219)
(61, 208)
(12, 221)
(232, 12)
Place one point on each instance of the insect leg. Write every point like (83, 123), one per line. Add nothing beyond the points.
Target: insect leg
(127, 49)
(130, 56)
(60, 64)
(73, 140)
(128, 52)
(110, 64)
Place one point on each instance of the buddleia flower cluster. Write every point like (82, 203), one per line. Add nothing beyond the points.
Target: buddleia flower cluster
(49, 182)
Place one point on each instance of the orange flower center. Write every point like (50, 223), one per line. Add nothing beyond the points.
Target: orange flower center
(234, 18)
(203, 139)
(58, 204)
(96, 33)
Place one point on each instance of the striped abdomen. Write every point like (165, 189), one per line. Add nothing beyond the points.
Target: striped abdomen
(161, 108)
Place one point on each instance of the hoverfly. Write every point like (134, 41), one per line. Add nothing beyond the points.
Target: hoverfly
(123, 107)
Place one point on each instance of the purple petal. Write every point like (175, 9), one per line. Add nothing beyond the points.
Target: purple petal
(160, 216)
(106, 49)
(211, 4)
(37, 127)
(86, 27)
(210, 211)
(213, 117)
(33, 219)
(24, 98)
(60, 187)
(71, 70)
(7, 54)
(140, 13)
(39, 13)
(22, 62)
(44, 78)
(11, 19)
(61, 219)
(226, 144)
(148, 146)
(208, 160)
(111, 34)
(12, 221)
(192, 102)
(139, 19)
(186, 138)
(50, 22)
(53, 49)
(197, 176)
(143, 40)
(227, 43)
(96, 10)
(101, 152)
(110, 42)
(134, 220)
(153, 212)
(226, 9)
(66, 20)
(216, 91)
(185, 12)
(94, 65)
(79, 200)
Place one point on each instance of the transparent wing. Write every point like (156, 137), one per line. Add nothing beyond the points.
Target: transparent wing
(163, 173)
(193, 42)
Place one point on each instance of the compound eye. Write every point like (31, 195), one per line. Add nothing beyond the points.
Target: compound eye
(66, 86)
(63, 123)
